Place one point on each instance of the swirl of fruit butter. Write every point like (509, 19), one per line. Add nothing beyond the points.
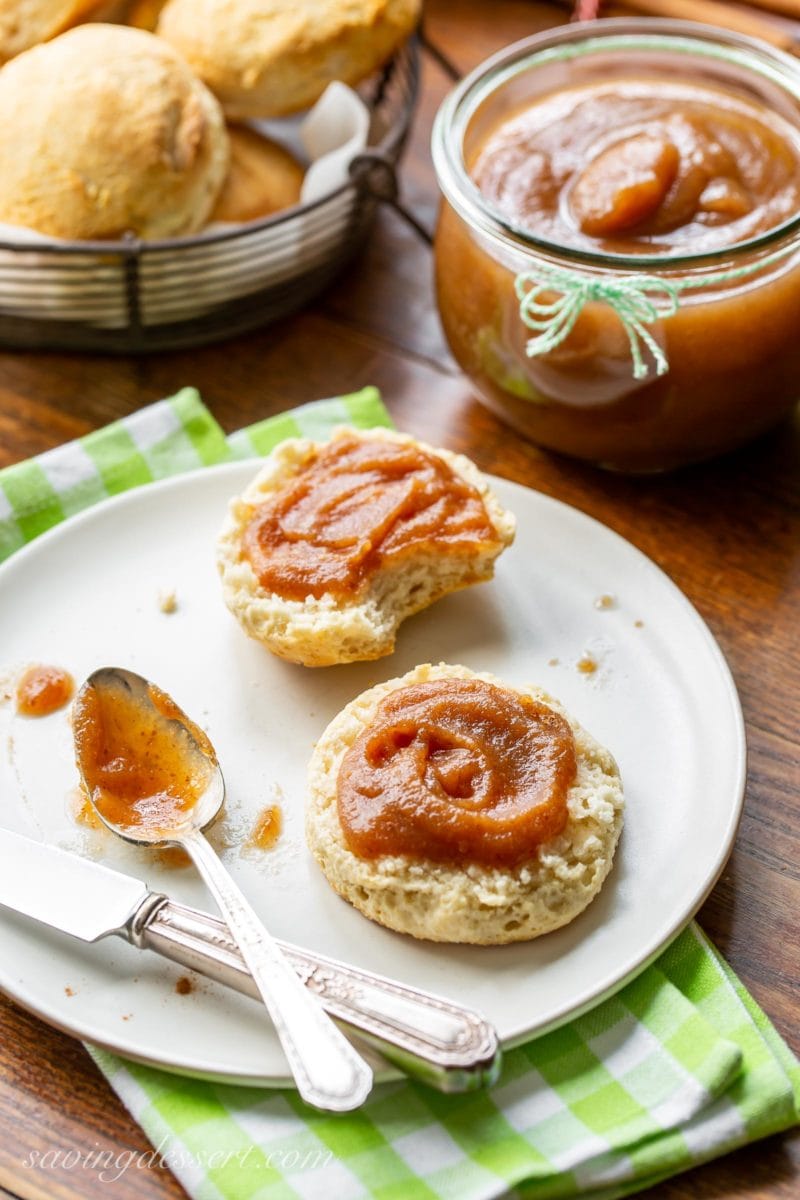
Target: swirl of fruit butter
(359, 505)
(457, 770)
(640, 165)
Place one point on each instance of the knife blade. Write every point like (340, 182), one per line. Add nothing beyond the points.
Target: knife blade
(64, 891)
(430, 1038)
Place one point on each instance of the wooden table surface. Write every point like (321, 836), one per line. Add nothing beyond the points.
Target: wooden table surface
(728, 534)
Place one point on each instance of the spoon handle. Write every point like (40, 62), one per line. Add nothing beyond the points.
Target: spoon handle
(328, 1071)
(428, 1037)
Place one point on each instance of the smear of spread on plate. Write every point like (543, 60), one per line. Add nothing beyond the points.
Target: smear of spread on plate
(42, 690)
(267, 828)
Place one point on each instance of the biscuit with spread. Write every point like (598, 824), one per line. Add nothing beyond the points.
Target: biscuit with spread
(319, 620)
(468, 901)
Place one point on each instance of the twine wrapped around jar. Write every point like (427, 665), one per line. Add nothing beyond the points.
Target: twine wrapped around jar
(638, 301)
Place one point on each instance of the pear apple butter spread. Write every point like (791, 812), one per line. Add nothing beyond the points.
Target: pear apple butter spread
(618, 258)
(357, 506)
(457, 770)
(455, 807)
(42, 690)
(136, 773)
(633, 166)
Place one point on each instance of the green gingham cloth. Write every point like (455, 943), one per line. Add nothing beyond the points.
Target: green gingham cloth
(679, 1067)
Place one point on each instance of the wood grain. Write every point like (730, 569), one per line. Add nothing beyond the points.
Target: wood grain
(728, 533)
(739, 19)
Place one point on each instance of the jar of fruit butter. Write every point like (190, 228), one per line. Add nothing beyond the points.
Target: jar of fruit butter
(618, 251)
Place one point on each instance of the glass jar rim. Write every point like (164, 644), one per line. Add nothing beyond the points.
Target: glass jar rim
(572, 41)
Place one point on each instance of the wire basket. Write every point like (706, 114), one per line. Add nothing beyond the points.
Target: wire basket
(134, 296)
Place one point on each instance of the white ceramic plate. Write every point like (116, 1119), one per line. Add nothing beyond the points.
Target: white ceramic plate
(662, 699)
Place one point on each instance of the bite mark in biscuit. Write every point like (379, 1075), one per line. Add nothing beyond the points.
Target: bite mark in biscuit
(435, 530)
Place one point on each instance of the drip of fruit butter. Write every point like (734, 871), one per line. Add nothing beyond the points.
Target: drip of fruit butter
(43, 690)
(267, 828)
(457, 770)
(137, 773)
(357, 506)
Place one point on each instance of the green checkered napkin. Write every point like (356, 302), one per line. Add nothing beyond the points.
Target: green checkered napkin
(679, 1067)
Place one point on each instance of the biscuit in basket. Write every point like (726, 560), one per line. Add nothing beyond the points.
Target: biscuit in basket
(105, 131)
(333, 544)
(263, 178)
(144, 14)
(25, 23)
(455, 898)
(267, 59)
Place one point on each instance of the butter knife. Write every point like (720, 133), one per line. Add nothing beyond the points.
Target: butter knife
(428, 1037)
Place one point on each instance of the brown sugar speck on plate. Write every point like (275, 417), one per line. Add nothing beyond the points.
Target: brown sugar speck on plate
(167, 600)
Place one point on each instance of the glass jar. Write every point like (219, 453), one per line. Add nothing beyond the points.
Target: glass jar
(724, 361)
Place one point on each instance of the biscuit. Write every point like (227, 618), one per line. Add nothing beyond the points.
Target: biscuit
(25, 23)
(324, 630)
(263, 178)
(144, 14)
(475, 904)
(105, 131)
(267, 59)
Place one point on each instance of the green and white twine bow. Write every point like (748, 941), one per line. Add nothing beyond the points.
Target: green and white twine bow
(638, 301)
(677, 1068)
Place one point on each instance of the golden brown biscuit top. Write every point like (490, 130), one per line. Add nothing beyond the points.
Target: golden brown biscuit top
(24, 23)
(457, 770)
(105, 131)
(360, 505)
(269, 58)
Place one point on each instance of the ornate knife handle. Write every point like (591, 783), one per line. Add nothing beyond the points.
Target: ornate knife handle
(437, 1042)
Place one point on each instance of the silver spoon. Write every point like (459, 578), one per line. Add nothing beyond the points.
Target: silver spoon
(129, 735)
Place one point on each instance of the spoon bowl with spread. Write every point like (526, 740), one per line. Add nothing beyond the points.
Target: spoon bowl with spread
(153, 778)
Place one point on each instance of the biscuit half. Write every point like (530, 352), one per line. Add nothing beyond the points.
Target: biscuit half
(322, 631)
(475, 904)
